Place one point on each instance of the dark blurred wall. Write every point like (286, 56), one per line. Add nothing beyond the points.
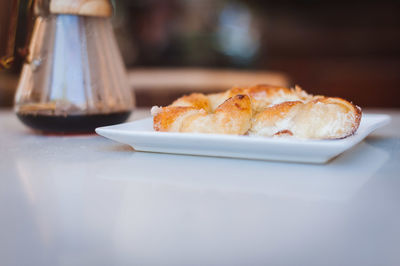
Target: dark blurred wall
(339, 48)
(345, 48)
(349, 49)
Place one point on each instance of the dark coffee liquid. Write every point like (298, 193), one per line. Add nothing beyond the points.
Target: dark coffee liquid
(72, 123)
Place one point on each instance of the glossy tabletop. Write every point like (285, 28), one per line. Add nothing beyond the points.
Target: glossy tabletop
(86, 200)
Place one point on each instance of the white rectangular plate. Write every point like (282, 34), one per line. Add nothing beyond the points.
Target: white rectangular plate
(141, 136)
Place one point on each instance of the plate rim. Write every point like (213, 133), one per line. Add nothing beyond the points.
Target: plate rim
(120, 134)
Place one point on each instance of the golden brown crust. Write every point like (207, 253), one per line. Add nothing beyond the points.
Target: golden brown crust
(320, 118)
(231, 117)
(262, 110)
(268, 89)
(196, 100)
(168, 115)
(236, 113)
(262, 95)
(238, 103)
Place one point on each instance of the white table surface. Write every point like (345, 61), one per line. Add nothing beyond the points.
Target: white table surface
(85, 200)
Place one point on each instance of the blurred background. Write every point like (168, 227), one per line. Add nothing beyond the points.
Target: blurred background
(349, 49)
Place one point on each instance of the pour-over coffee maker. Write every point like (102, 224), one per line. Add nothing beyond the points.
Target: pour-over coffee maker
(74, 78)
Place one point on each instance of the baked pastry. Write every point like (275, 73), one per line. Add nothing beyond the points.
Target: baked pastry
(195, 100)
(231, 117)
(260, 110)
(320, 118)
(262, 96)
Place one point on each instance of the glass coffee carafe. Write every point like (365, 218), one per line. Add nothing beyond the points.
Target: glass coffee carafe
(74, 78)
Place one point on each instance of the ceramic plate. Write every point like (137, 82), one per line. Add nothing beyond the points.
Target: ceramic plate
(141, 136)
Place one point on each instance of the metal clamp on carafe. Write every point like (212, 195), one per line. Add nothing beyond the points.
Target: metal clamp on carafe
(74, 78)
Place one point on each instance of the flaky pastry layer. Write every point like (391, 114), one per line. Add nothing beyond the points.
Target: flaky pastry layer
(261, 110)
